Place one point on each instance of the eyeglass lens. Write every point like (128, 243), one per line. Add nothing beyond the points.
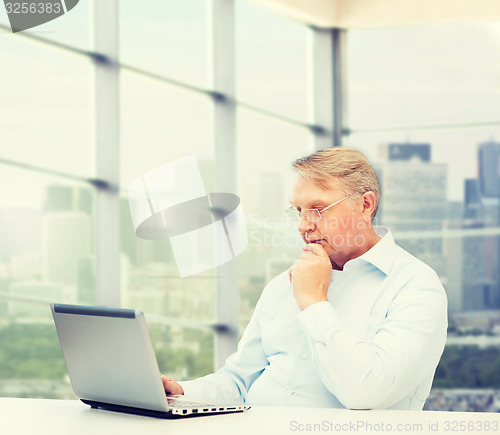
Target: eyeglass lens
(310, 215)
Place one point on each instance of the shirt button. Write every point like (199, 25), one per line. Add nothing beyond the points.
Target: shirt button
(304, 356)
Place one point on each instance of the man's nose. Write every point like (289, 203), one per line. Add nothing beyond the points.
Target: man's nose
(305, 225)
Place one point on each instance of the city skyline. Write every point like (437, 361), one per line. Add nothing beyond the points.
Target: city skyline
(403, 168)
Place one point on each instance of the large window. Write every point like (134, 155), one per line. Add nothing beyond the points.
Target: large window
(232, 84)
(47, 208)
(420, 109)
(266, 149)
(52, 231)
(272, 77)
(271, 61)
(169, 38)
(423, 106)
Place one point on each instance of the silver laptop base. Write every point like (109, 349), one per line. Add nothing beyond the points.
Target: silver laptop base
(179, 413)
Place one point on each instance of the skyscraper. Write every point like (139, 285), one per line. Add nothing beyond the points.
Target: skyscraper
(489, 181)
(67, 235)
(478, 271)
(66, 240)
(489, 169)
(467, 283)
(472, 199)
(403, 152)
(414, 199)
(60, 197)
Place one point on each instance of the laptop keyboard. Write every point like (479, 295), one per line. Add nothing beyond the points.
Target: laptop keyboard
(186, 404)
(182, 403)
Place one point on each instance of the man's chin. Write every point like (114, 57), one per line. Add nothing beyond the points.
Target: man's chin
(334, 260)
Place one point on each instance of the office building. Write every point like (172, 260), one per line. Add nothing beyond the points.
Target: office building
(454, 271)
(25, 266)
(67, 239)
(60, 197)
(413, 206)
(404, 152)
(473, 260)
(19, 232)
(468, 286)
(454, 211)
(86, 283)
(472, 199)
(482, 210)
(489, 169)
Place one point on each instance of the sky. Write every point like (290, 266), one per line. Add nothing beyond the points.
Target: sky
(424, 76)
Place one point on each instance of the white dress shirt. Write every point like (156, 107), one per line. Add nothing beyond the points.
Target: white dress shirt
(375, 343)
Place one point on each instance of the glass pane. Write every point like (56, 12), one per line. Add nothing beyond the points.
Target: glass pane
(266, 149)
(457, 149)
(46, 255)
(423, 75)
(441, 200)
(72, 28)
(440, 188)
(32, 363)
(424, 192)
(45, 107)
(161, 124)
(183, 354)
(166, 37)
(271, 61)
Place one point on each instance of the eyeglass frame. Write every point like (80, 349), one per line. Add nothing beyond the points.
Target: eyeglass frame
(292, 208)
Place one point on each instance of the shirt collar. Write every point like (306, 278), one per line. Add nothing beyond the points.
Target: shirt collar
(381, 255)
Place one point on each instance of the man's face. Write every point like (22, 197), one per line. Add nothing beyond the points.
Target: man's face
(341, 229)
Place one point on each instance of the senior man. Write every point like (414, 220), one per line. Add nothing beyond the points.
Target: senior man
(356, 322)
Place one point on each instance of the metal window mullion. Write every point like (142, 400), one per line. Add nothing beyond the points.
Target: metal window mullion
(339, 84)
(168, 80)
(326, 90)
(107, 240)
(224, 136)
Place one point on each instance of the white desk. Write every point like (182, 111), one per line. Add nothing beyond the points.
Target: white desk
(71, 417)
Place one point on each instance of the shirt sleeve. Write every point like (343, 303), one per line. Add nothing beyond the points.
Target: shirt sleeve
(405, 349)
(231, 383)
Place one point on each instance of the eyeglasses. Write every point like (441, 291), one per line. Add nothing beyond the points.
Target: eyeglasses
(310, 214)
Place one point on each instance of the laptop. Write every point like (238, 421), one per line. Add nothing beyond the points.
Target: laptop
(112, 365)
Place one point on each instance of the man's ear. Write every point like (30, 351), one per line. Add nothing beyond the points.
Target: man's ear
(369, 201)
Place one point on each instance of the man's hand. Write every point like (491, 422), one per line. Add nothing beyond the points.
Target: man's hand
(171, 387)
(310, 275)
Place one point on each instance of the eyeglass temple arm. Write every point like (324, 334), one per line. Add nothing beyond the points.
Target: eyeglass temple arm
(335, 203)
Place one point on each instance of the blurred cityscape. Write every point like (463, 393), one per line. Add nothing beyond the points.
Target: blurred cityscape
(47, 255)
